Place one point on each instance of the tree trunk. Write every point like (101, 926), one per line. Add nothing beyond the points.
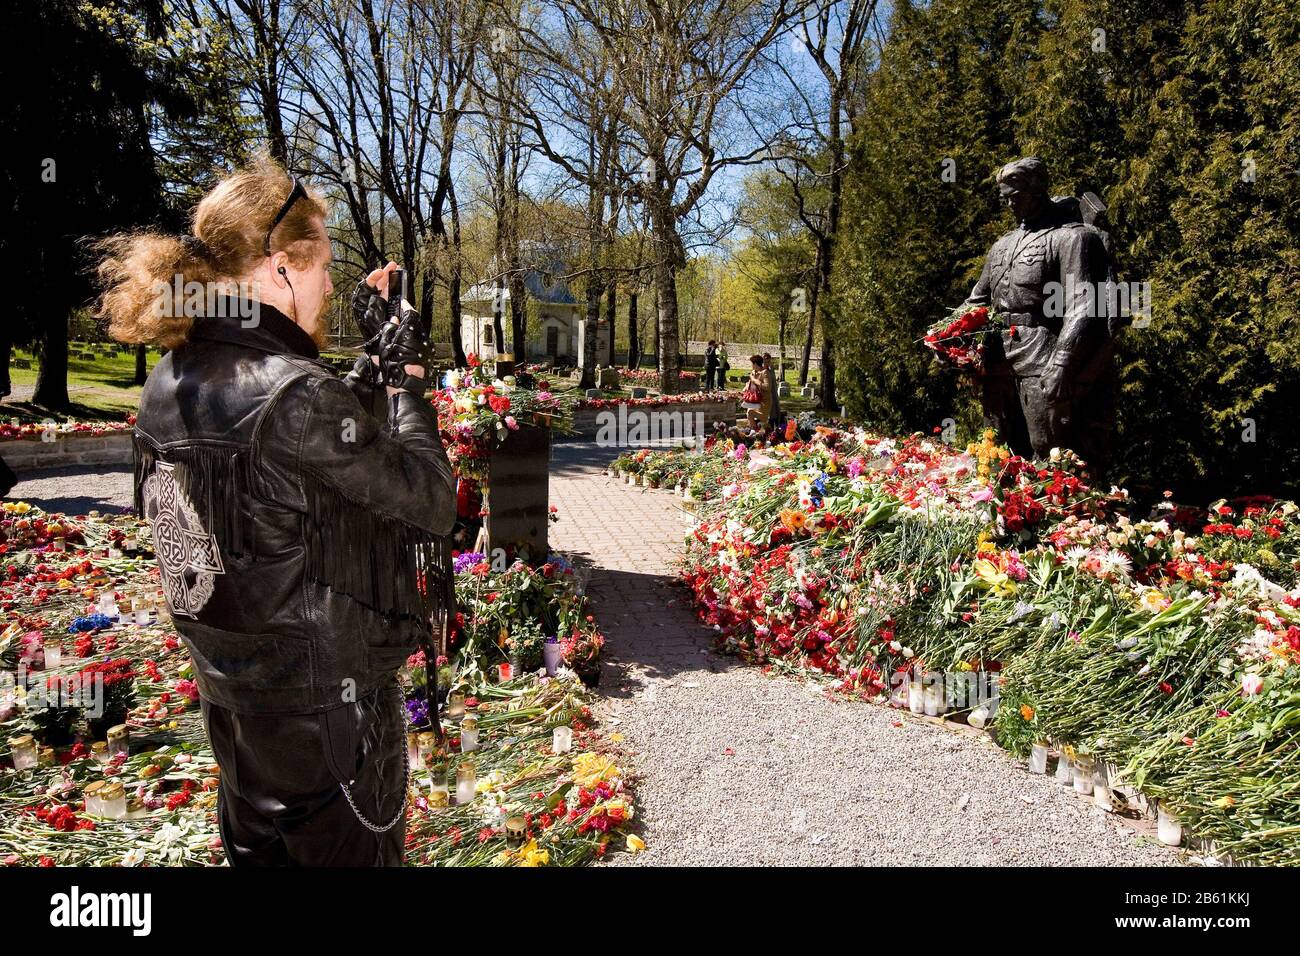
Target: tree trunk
(518, 318)
(670, 359)
(453, 282)
(6, 351)
(611, 309)
(589, 339)
(806, 361)
(52, 380)
(655, 316)
(633, 346)
(141, 364)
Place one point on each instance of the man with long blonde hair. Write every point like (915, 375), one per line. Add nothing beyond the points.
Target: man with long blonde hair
(300, 521)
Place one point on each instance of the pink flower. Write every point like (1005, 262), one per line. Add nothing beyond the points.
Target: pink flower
(1251, 684)
(511, 423)
(740, 451)
(188, 688)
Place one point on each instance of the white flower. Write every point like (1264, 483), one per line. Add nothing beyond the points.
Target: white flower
(1075, 556)
(1117, 563)
(133, 857)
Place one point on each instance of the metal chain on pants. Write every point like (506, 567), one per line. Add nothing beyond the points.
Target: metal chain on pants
(406, 782)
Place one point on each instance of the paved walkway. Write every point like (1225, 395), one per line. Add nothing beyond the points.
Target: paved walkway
(741, 768)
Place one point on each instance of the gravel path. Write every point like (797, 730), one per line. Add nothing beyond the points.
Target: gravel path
(741, 768)
(76, 489)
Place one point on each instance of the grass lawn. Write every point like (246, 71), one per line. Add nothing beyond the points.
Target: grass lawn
(101, 388)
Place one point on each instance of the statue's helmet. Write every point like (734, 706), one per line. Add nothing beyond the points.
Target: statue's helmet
(1025, 175)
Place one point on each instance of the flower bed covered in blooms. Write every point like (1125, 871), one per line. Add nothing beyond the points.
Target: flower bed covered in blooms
(15, 430)
(652, 401)
(61, 635)
(1163, 641)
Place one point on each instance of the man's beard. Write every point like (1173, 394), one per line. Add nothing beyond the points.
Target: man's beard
(320, 332)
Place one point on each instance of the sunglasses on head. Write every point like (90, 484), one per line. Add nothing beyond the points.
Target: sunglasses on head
(298, 192)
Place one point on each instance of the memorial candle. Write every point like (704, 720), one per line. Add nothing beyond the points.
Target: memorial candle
(562, 739)
(113, 800)
(23, 750)
(466, 782)
(119, 740)
(469, 735)
(1038, 757)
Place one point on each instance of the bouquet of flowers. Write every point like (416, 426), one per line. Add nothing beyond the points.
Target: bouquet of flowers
(958, 339)
(476, 411)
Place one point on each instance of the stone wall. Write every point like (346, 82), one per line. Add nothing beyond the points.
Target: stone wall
(27, 455)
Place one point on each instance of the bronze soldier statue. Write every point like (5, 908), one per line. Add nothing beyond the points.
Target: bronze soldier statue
(1049, 380)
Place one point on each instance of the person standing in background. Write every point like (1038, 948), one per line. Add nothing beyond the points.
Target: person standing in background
(710, 365)
(724, 366)
(772, 391)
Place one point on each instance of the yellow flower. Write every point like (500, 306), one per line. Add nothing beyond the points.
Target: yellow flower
(1153, 601)
(616, 738)
(530, 855)
(590, 769)
(634, 843)
(993, 578)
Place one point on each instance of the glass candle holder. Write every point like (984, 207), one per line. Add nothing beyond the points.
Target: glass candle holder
(456, 705)
(45, 757)
(466, 782)
(1169, 829)
(53, 655)
(505, 672)
(916, 697)
(118, 741)
(413, 751)
(8, 705)
(469, 735)
(439, 791)
(94, 794)
(130, 544)
(99, 751)
(113, 800)
(1065, 770)
(1084, 769)
(107, 605)
(135, 808)
(551, 656)
(1038, 758)
(562, 739)
(143, 613)
(23, 751)
(978, 717)
(516, 830)
(59, 544)
(933, 699)
(426, 743)
(1101, 794)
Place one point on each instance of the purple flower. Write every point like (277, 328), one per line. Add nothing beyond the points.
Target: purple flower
(466, 561)
(417, 711)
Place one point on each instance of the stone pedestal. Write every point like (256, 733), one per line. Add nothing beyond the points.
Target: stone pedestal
(783, 390)
(806, 391)
(518, 489)
(608, 378)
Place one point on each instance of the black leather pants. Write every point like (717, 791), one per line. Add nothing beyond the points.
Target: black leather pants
(280, 803)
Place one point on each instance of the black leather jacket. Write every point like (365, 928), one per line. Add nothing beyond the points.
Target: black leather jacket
(300, 520)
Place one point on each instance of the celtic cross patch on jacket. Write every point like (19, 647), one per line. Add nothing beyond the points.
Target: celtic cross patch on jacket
(188, 557)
